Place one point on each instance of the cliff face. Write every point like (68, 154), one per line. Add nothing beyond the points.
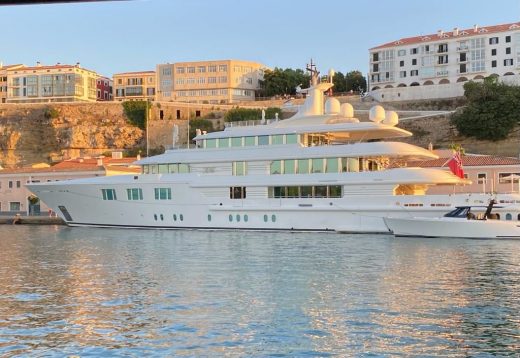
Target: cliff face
(47, 132)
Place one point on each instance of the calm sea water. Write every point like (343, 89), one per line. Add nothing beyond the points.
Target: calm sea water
(105, 292)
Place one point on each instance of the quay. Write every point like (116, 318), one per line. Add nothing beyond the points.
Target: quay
(31, 220)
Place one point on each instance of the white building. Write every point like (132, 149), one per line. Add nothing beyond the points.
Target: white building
(437, 65)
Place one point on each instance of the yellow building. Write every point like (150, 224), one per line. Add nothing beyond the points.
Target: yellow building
(224, 81)
(133, 86)
(3, 80)
(58, 83)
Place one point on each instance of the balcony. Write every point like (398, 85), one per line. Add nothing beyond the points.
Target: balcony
(463, 48)
(442, 73)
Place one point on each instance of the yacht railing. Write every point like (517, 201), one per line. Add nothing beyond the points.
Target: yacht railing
(252, 123)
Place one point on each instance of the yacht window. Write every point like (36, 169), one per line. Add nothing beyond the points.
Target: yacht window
(109, 194)
(173, 168)
(154, 169)
(163, 193)
(306, 191)
(276, 167)
(236, 141)
(289, 166)
(277, 139)
(320, 191)
(351, 165)
(291, 138)
(293, 191)
(250, 141)
(146, 169)
(223, 142)
(332, 165)
(263, 140)
(303, 166)
(211, 143)
(239, 168)
(184, 168)
(163, 168)
(237, 192)
(335, 191)
(134, 194)
(317, 165)
(279, 192)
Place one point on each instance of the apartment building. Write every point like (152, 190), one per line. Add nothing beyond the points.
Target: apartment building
(57, 83)
(134, 86)
(3, 80)
(104, 89)
(437, 65)
(225, 81)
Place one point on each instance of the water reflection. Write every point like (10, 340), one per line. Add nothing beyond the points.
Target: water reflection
(129, 292)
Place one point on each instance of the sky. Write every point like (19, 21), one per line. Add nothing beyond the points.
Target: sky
(121, 36)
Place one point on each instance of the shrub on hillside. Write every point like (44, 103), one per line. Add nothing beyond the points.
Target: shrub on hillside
(491, 112)
(135, 112)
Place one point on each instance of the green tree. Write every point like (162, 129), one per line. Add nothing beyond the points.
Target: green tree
(202, 124)
(491, 112)
(135, 112)
(340, 84)
(355, 81)
(250, 114)
(282, 82)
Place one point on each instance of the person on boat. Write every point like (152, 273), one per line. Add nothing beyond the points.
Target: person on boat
(488, 215)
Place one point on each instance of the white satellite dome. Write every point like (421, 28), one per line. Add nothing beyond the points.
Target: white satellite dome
(377, 114)
(391, 118)
(346, 110)
(332, 106)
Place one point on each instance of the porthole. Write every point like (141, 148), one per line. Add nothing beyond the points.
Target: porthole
(155, 217)
(162, 217)
(181, 217)
(246, 218)
(509, 216)
(238, 218)
(174, 217)
(230, 218)
(265, 218)
(209, 217)
(273, 218)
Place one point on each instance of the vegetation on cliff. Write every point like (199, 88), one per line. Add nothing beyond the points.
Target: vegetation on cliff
(250, 114)
(135, 112)
(491, 112)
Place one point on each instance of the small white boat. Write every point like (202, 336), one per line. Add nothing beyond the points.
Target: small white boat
(462, 222)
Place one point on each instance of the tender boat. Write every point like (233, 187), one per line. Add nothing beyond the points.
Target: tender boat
(463, 222)
(320, 170)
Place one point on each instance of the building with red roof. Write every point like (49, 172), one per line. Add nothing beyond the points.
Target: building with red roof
(488, 173)
(437, 65)
(15, 197)
(56, 83)
(134, 86)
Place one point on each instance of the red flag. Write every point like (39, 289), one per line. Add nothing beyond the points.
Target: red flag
(455, 165)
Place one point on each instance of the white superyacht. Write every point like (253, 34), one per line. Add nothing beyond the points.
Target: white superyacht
(320, 170)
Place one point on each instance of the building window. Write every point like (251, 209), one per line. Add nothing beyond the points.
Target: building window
(237, 192)
(442, 59)
(222, 68)
(15, 206)
(414, 62)
(163, 193)
(494, 52)
(493, 40)
(508, 62)
(508, 38)
(481, 178)
(109, 194)
(508, 178)
(413, 51)
(401, 53)
(190, 69)
(212, 68)
(201, 69)
(414, 73)
(442, 48)
(401, 63)
(508, 50)
(181, 69)
(494, 63)
(134, 194)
